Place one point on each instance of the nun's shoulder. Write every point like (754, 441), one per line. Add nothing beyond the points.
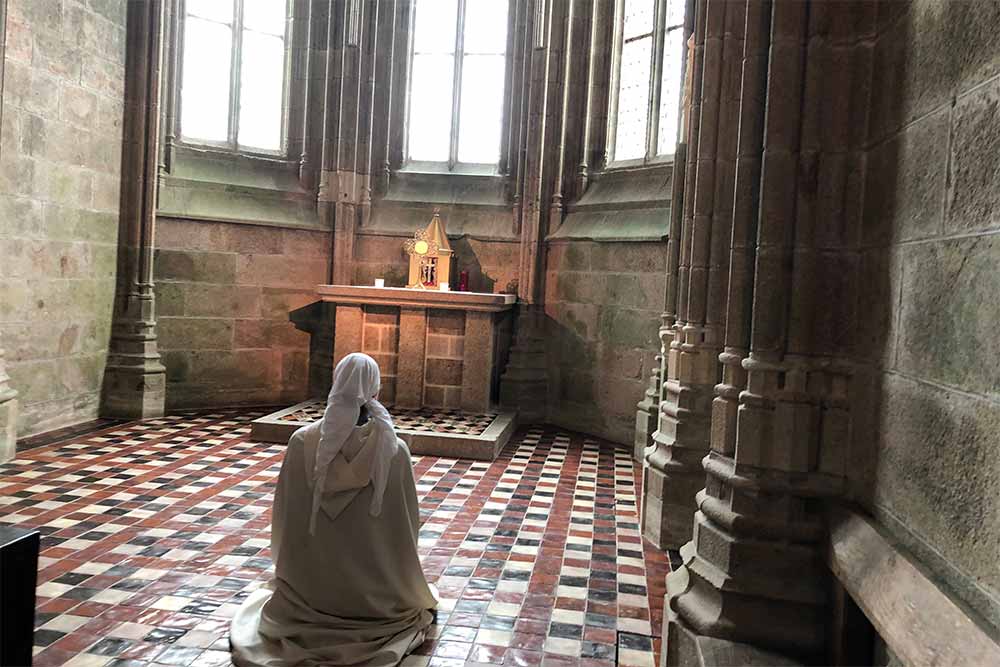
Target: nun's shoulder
(304, 433)
(404, 450)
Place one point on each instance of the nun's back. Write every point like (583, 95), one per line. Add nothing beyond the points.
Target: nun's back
(354, 592)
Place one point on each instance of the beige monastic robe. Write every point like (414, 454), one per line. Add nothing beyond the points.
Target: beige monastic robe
(353, 593)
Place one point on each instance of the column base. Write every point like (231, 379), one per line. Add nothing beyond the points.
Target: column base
(672, 478)
(134, 394)
(8, 430)
(683, 647)
(646, 418)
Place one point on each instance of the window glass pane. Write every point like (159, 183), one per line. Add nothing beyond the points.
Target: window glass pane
(214, 10)
(485, 26)
(670, 91)
(482, 109)
(261, 91)
(264, 16)
(638, 16)
(205, 81)
(434, 26)
(675, 12)
(633, 100)
(429, 134)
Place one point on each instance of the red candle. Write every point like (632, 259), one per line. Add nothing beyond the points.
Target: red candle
(463, 281)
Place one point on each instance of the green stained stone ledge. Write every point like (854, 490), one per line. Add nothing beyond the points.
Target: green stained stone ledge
(203, 185)
(199, 200)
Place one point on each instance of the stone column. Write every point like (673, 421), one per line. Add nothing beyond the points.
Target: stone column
(675, 474)
(648, 437)
(543, 85)
(479, 345)
(667, 504)
(647, 413)
(344, 192)
(652, 501)
(8, 415)
(412, 344)
(753, 586)
(347, 331)
(744, 238)
(134, 379)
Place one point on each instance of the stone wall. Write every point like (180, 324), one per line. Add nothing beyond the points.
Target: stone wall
(602, 303)
(59, 186)
(224, 293)
(925, 455)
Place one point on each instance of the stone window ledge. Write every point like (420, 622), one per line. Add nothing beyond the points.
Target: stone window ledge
(613, 226)
(630, 204)
(474, 206)
(198, 200)
(480, 223)
(419, 187)
(236, 188)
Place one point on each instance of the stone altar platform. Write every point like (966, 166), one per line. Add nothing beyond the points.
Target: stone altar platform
(425, 431)
(440, 354)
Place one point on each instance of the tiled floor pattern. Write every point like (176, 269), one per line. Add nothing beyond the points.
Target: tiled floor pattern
(424, 419)
(155, 531)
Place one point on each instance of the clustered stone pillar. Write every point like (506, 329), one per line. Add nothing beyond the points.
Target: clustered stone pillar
(656, 525)
(8, 415)
(692, 344)
(135, 379)
(755, 400)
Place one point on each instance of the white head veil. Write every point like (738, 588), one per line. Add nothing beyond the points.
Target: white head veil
(356, 381)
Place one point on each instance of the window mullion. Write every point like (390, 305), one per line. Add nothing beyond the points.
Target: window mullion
(656, 78)
(456, 89)
(615, 87)
(234, 74)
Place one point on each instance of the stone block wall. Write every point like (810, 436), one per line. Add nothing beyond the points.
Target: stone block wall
(60, 159)
(224, 293)
(445, 352)
(603, 302)
(925, 449)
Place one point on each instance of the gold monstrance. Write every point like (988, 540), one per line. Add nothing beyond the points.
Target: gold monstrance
(430, 256)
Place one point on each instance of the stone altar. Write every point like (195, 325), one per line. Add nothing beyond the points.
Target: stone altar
(435, 349)
(441, 354)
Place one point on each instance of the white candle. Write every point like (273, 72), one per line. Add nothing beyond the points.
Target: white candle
(380, 282)
(444, 287)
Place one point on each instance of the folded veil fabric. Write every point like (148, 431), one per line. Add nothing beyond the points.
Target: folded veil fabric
(356, 382)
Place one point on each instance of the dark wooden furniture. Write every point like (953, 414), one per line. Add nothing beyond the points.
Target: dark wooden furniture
(18, 574)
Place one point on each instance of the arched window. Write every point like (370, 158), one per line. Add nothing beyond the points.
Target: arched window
(646, 100)
(458, 66)
(232, 85)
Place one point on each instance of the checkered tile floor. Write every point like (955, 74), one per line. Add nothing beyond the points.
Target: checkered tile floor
(426, 420)
(154, 532)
